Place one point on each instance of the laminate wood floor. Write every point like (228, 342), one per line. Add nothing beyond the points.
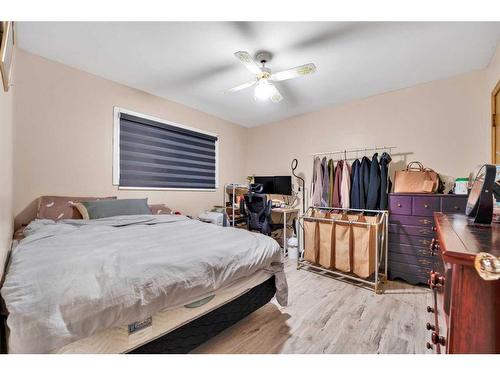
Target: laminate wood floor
(325, 315)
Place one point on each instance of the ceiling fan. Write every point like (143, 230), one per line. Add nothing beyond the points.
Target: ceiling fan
(264, 87)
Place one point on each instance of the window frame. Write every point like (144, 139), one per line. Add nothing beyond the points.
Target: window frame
(116, 150)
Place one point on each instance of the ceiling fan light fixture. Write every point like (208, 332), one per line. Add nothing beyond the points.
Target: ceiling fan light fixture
(263, 90)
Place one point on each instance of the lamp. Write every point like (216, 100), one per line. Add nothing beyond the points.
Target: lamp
(263, 90)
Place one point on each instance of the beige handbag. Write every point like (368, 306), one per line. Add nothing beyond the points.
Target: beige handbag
(326, 243)
(416, 179)
(364, 246)
(311, 239)
(343, 256)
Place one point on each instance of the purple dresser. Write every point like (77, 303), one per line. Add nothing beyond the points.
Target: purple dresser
(411, 224)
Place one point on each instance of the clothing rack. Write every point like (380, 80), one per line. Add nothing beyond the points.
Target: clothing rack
(345, 152)
(381, 247)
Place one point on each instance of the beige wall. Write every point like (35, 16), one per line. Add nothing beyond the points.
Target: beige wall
(6, 178)
(444, 124)
(64, 128)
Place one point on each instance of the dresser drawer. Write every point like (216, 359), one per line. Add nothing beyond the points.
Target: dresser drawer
(410, 240)
(411, 230)
(423, 221)
(425, 205)
(400, 205)
(411, 250)
(420, 261)
(419, 272)
(453, 204)
(408, 277)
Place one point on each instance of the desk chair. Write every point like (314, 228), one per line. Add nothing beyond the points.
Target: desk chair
(257, 209)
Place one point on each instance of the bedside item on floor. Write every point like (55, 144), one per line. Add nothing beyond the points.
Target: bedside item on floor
(293, 247)
(480, 202)
(416, 179)
(213, 217)
(461, 185)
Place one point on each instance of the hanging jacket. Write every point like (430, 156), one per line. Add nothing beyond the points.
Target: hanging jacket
(385, 181)
(345, 186)
(317, 183)
(372, 200)
(331, 177)
(336, 184)
(355, 184)
(326, 183)
(364, 181)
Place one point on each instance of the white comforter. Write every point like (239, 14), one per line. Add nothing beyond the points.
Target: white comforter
(70, 279)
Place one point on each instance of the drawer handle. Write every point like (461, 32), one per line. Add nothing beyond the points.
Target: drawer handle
(426, 205)
(425, 221)
(430, 309)
(424, 262)
(456, 208)
(429, 346)
(430, 327)
(437, 340)
(399, 204)
(425, 242)
(425, 231)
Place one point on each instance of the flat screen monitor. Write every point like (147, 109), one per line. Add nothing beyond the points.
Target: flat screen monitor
(275, 184)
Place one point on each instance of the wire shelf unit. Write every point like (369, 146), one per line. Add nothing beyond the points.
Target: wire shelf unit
(381, 246)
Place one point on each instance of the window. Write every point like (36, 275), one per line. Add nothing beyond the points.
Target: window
(149, 153)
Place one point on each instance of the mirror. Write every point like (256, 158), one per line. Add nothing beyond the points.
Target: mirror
(480, 202)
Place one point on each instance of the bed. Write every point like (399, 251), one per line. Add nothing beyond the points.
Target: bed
(135, 283)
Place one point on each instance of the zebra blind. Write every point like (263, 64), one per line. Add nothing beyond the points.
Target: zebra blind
(159, 155)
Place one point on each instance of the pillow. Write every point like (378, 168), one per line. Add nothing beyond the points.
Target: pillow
(117, 207)
(56, 208)
(159, 209)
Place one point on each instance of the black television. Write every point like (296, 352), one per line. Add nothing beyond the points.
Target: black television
(275, 184)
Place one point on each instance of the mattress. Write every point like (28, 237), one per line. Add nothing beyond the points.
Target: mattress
(68, 281)
(121, 340)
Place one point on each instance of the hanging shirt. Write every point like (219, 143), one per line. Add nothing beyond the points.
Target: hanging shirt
(372, 200)
(331, 177)
(345, 186)
(326, 183)
(355, 185)
(336, 184)
(385, 181)
(317, 190)
(364, 181)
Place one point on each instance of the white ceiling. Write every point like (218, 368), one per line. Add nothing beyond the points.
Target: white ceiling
(192, 62)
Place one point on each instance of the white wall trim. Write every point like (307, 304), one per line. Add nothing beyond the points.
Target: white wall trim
(116, 149)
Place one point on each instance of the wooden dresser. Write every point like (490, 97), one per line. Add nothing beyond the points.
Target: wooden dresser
(410, 233)
(465, 316)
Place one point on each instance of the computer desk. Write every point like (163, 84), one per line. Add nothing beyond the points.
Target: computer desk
(285, 211)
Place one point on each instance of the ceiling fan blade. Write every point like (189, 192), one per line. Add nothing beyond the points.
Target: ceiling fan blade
(240, 87)
(275, 95)
(248, 61)
(294, 72)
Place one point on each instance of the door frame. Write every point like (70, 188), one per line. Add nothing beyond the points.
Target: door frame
(494, 111)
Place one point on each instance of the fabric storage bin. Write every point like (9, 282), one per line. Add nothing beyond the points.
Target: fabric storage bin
(364, 246)
(343, 256)
(311, 239)
(326, 243)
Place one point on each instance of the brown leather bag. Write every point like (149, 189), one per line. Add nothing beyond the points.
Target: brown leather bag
(416, 179)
